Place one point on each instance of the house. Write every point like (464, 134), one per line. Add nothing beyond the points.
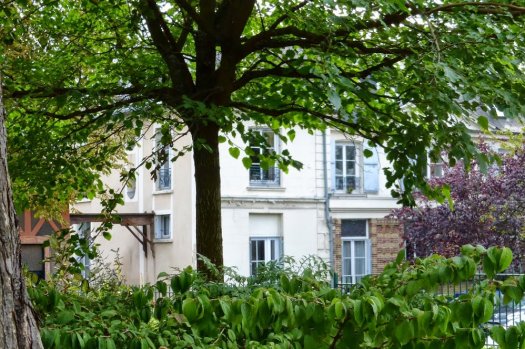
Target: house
(333, 208)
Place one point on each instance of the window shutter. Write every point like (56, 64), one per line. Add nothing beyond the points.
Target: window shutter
(332, 163)
(369, 256)
(371, 170)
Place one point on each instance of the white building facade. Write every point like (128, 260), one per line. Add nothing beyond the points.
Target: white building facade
(334, 207)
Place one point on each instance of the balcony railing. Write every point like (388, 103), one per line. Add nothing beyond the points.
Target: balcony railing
(164, 179)
(262, 177)
(348, 184)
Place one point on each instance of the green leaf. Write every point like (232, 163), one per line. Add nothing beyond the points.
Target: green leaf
(400, 258)
(483, 122)
(234, 152)
(489, 267)
(189, 309)
(504, 259)
(247, 162)
(404, 332)
(65, 316)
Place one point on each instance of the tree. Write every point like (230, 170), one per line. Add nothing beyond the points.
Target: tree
(17, 320)
(401, 75)
(488, 210)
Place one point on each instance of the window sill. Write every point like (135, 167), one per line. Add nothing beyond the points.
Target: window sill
(162, 241)
(352, 195)
(83, 201)
(265, 188)
(164, 191)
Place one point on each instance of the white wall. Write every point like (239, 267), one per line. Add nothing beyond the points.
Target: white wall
(299, 200)
(299, 233)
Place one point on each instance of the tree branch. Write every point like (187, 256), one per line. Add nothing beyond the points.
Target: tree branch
(45, 92)
(368, 134)
(190, 10)
(482, 7)
(306, 39)
(167, 46)
(277, 71)
(80, 113)
(387, 62)
(285, 16)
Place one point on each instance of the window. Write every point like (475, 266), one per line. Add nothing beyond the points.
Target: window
(131, 185)
(346, 178)
(265, 239)
(131, 188)
(163, 227)
(435, 170)
(258, 175)
(163, 173)
(356, 254)
(84, 232)
(353, 173)
(263, 250)
(32, 259)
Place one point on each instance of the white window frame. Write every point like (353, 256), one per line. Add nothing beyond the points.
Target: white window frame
(358, 168)
(350, 277)
(132, 164)
(276, 181)
(158, 234)
(433, 166)
(84, 231)
(167, 166)
(267, 241)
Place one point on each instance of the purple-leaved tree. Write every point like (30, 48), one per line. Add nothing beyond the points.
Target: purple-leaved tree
(488, 209)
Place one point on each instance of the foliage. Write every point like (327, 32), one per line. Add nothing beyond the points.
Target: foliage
(70, 273)
(402, 75)
(487, 209)
(400, 308)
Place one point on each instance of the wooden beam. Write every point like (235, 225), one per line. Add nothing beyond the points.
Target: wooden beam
(134, 219)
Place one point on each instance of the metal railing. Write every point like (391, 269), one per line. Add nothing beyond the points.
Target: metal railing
(262, 177)
(164, 179)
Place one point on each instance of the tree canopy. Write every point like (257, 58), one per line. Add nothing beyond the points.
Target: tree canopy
(403, 75)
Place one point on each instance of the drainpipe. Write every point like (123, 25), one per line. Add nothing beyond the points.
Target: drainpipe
(327, 204)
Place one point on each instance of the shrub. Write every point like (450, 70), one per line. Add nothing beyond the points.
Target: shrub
(400, 308)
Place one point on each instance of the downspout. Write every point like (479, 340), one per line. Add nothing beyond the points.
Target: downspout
(327, 205)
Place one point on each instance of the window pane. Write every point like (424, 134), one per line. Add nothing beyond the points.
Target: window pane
(347, 266)
(360, 266)
(339, 153)
(436, 170)
(255, 172)
(272, 250)
(353, 227)
(339, 183)
(350, 183)
(338, 168)
(347, 252)
(260, 250)
(350, 152)
(350, 168)
(253, 255)
(270, 138)
(359, 249)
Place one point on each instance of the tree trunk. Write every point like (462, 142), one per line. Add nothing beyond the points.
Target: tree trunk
(208, 197)
(18, 328)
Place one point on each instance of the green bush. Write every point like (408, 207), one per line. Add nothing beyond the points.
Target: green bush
(400, 308)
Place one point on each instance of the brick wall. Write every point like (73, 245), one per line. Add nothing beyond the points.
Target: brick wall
(386, 240)
(386, 236)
